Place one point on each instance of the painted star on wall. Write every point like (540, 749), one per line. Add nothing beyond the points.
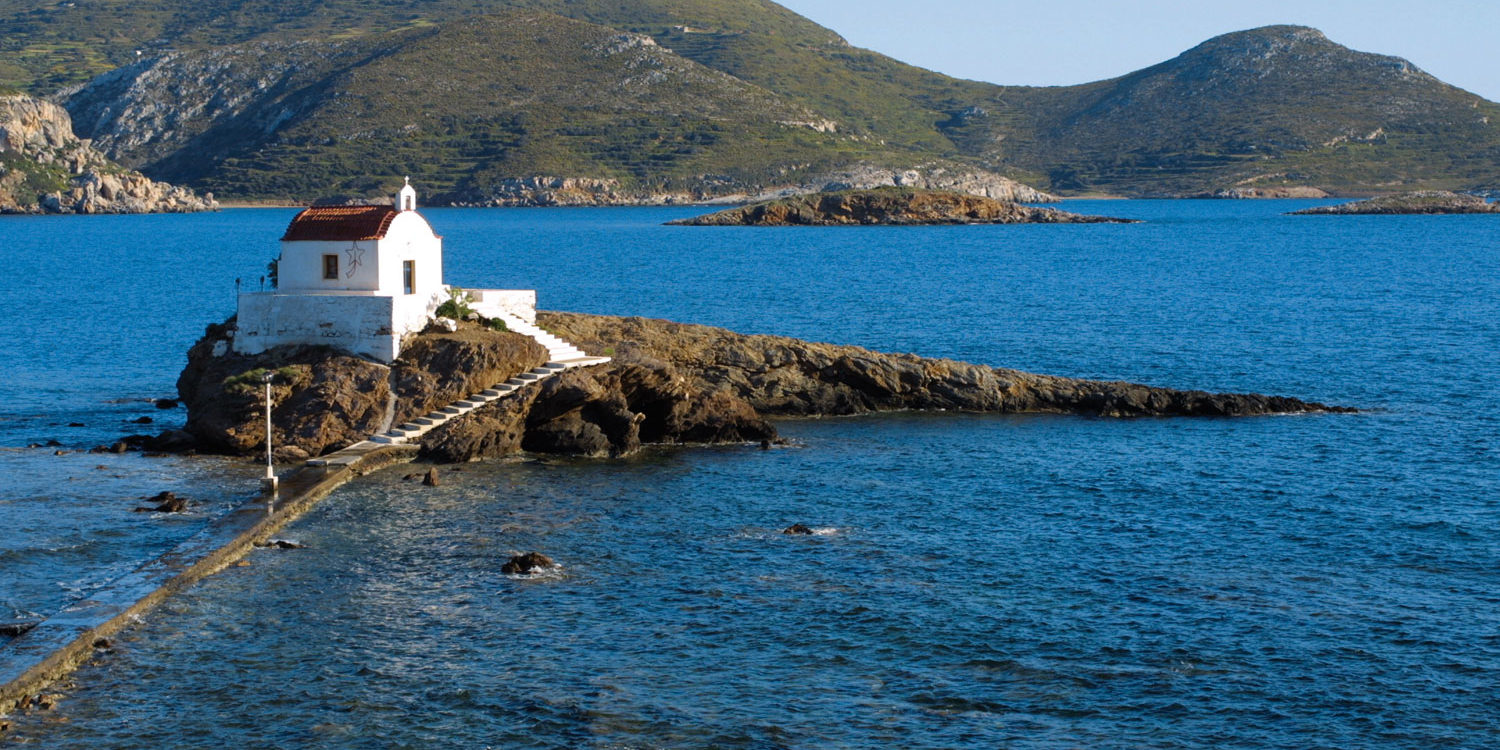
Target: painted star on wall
(356, 257)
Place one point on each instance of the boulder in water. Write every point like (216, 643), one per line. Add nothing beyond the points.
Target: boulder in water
(527, 563)
(166, 502)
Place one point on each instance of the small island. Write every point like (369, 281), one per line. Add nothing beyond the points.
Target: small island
(891, 206)
(1420, 202)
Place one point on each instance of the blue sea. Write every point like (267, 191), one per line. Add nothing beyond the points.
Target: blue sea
(1316, 581)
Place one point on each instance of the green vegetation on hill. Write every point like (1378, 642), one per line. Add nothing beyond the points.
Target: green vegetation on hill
(492, 101)
(464, 107)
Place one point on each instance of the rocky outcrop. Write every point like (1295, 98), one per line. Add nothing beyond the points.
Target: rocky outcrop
(1290, 191)
(898, 206)
(1420, 202)
(543, 190)
(788, 377)
(586, 191)
(608, 411)
(44, 168)
(937, 176)
(325, 399)
(668, 383)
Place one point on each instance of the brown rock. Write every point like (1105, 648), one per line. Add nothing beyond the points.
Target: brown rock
(783, 376)
(166, 502)
(279, 544)
(431, 479)
(325, 400)
(527, 563)
(890, 205)
(1419, 202)
(798, 528)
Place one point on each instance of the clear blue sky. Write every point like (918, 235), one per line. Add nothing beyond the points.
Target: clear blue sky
(1058, 42)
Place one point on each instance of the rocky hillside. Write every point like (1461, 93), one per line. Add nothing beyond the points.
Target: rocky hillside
(889, 206)
(591, 101)
(1276, 107)
(571, 113)
(1420, 202)
(44, 168)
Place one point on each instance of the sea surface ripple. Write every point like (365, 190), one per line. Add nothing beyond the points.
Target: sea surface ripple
(979, 581)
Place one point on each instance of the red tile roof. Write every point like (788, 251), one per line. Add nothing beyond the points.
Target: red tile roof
(340, 223)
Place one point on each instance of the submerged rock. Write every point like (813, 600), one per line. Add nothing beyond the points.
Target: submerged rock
(430, 479)
(166, 502)
(280, 544)
(1420, 202)
(891, 205)
(527, 563)
(798, 528)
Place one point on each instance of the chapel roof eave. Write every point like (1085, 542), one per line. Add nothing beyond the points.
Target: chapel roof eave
(340, 224)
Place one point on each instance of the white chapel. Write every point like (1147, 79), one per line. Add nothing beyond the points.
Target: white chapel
(359, 278)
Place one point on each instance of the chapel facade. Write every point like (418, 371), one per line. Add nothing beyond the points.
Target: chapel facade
(358, 278)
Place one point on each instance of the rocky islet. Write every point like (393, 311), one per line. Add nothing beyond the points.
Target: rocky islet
(1418, 202)
(902, 206)
(668, 383)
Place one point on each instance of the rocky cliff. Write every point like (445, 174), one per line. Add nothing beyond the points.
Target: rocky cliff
(891, 206)
(787, 377)
(44, 168)
(1420, 202)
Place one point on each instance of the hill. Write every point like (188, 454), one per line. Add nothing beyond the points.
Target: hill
(514, 107)
(1275, 106)
(1253, 111)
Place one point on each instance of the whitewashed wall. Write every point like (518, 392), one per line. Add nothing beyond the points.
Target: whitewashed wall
(364, 324)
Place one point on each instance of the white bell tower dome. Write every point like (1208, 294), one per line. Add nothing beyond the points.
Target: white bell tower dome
(406, 200)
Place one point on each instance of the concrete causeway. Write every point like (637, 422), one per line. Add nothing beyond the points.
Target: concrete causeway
(59, 644)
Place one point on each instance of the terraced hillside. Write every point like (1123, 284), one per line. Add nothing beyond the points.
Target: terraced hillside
(743, 95)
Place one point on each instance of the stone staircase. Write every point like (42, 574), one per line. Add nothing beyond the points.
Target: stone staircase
(561, 357)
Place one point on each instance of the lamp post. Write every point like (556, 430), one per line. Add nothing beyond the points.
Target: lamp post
(269, 484)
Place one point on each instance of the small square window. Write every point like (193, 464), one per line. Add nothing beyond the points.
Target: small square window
(330, 266)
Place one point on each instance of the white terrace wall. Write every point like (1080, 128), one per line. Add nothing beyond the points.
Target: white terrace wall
(364, 324)
(520, 303)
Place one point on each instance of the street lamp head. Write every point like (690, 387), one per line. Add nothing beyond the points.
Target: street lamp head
(267, 377)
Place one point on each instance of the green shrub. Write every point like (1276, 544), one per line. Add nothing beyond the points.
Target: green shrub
(457, 307)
